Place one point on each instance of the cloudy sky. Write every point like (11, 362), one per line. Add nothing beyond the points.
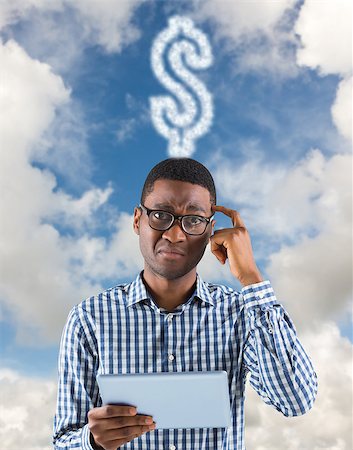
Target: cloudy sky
(77, 141)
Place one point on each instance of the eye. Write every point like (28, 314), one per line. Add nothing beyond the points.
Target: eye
(194, 221)
(161, 215)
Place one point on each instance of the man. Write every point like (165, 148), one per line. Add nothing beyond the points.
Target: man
(170, 320)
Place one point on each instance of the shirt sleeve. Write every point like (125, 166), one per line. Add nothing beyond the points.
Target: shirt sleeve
(281, 371)
(77, 387)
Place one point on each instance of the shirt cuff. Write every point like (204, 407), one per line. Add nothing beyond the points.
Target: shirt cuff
(259, 294)
(86, 444)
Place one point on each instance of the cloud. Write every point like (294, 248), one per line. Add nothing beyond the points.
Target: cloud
(325, 32)
(342, 108)
(313, 278)
(12, 12)
(314, 192)
(328, 424)
(26, 411)
(259, 31)
(69, 27)
(327, 48)
(241, 18)
(108, 21)
(103, 22)
(140, 113)
(46, 235)
(30, 93)
(125, 129)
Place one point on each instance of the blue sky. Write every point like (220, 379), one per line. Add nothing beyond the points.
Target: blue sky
(77, 142)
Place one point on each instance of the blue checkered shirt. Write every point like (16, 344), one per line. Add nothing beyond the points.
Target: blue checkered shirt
(122, 330)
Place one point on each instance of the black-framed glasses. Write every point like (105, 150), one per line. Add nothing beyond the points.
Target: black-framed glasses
(163, 220)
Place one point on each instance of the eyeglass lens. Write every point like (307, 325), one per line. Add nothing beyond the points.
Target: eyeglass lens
(162, 220)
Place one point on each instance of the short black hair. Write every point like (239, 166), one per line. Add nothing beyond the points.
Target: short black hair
(180, 169)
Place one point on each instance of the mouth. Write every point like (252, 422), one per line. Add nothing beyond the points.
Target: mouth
(171, 252)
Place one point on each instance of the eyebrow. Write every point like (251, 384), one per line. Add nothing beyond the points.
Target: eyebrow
(191, 207)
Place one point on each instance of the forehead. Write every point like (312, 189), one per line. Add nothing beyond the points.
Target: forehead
(178, 194)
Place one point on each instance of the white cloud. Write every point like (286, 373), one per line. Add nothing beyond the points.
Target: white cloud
(30, 92)
(125, 129)
(328, 424)
(43, 271)
(260, 32)
(314, 278)
(342, 108)
(116, 257)
(282, 201)
(26, 411)
(240, 18)
(108, 21)
(12, 12)
(139, 115)
(325, 30)
(103, 22)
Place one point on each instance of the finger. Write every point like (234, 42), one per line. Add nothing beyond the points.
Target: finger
(112, 423)
(106, 411)
(234, 215)
(126, 432)
(219, 251)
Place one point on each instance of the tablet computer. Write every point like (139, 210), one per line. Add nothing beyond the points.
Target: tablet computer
(173, 399)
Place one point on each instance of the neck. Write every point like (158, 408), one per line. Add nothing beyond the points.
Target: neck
(169, 294)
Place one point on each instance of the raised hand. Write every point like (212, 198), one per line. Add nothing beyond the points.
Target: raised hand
(234, 243)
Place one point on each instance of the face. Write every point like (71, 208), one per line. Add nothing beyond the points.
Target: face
(171, 254)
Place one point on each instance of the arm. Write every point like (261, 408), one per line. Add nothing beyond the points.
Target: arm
(281, 372)
(80, 421)
(77, 388)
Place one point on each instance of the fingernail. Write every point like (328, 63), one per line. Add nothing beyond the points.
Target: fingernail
(132, 411)
(153, 426)
(149, 420)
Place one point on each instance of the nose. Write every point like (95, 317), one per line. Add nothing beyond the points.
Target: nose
(175, 233)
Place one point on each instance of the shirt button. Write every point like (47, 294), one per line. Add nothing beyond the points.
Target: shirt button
(170, 317)
(172, 447)
(171, 357)
(270, 330)
(261, 296)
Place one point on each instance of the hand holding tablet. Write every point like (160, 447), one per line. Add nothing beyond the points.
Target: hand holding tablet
(174, 399)
(113, 425)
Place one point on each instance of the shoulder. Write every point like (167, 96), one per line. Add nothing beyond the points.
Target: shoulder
(221, 293)
(98, 304)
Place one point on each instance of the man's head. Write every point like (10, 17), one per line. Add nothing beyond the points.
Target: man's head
(181, 186)
(180, 169)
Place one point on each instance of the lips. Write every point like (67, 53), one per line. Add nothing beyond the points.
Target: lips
(171, 251)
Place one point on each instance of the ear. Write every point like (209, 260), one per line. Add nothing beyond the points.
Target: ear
(136, 221)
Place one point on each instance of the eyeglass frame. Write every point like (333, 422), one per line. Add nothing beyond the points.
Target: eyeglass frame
(179, 218)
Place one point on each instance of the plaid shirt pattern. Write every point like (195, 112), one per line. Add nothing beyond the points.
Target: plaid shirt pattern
(122, 330)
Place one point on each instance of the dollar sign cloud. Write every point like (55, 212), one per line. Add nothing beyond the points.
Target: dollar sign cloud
(181, 122)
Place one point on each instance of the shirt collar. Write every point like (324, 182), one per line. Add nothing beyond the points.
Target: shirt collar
(136, 291)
